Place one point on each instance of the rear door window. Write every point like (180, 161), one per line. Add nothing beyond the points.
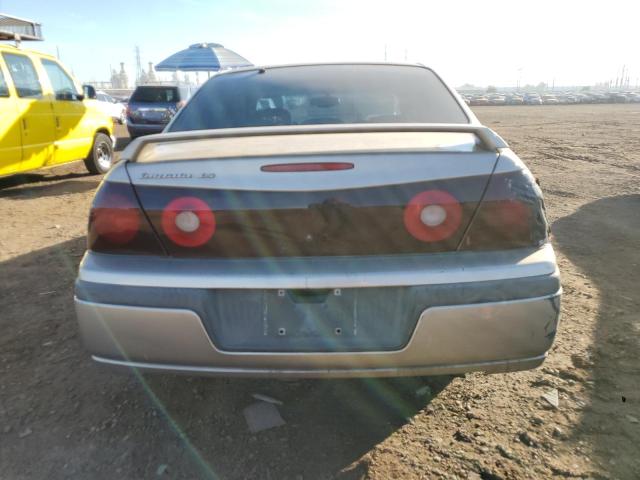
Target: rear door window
(24, 75)
(4, 88)
(155, 95)
(60, 80)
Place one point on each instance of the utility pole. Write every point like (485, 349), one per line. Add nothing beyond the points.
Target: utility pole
(138, 64)
(385, 52)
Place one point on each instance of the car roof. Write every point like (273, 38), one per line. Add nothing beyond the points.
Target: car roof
(256, 68)
(13, 49)
(156, 86)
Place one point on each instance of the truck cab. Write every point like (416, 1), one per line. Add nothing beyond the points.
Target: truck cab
(45, 117)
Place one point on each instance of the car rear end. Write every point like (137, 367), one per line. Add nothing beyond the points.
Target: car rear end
(319, 251)
(151, 108)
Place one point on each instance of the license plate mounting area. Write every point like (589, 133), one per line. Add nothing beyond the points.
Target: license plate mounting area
(304, 313)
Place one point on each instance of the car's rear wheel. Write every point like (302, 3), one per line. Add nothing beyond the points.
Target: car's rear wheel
(100, 158)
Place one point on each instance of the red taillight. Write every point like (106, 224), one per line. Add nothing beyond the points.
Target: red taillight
(188, 222)
(432, 216)
(117, 224)
(307, 167)
(511, 215)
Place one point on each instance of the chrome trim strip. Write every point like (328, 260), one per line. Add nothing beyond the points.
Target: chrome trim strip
(317, 272)
(501, 366)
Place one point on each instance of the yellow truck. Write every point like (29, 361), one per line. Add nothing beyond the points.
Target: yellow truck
(46, 118)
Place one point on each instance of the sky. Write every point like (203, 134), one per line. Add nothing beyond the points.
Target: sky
(489, 42)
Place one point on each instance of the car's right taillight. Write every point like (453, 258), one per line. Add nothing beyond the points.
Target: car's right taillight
(117, 224)
(511, 215)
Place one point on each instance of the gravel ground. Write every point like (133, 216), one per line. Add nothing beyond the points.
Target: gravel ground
(63, 417)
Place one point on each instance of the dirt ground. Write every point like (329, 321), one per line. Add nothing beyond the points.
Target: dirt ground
(61, 416)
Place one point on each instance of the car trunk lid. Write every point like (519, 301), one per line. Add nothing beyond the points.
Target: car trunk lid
(372, 203)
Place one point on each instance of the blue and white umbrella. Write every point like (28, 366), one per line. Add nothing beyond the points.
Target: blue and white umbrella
(203, 57)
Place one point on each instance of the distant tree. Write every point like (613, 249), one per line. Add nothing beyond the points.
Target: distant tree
(541, 87)
(585, 89)
(467, 86)
(491, 89)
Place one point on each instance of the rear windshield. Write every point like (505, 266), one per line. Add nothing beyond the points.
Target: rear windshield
(321, 94)
(155, 95)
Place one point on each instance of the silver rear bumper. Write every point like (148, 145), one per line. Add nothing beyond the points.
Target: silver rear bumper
(491, 337)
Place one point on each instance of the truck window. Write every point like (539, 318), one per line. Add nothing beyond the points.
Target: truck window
(24, 75)
(4, 89)
(60, 81)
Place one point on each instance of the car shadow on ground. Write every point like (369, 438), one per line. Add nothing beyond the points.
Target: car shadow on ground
(603, 239)
(62, 185)
(91, 422)
(330, 424)
(11, 185)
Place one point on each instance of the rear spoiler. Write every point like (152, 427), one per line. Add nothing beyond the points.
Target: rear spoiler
(490, 140)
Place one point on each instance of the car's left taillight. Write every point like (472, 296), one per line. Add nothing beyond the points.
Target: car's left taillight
(117, 224)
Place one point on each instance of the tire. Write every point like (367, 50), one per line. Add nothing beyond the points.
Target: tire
(100, 157)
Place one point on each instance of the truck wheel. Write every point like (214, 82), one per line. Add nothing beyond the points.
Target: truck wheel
(100, 157)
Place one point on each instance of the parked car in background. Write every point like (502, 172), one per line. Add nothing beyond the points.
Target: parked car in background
(618, 97)
(599, 98)
(497, 99)
(634, 97)
(550, 100)
(112, 107)
(582, 98)
(479, 100)
(514, 99)
(532, 99)
(151, 107)
(328, 220)
(46, 118)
